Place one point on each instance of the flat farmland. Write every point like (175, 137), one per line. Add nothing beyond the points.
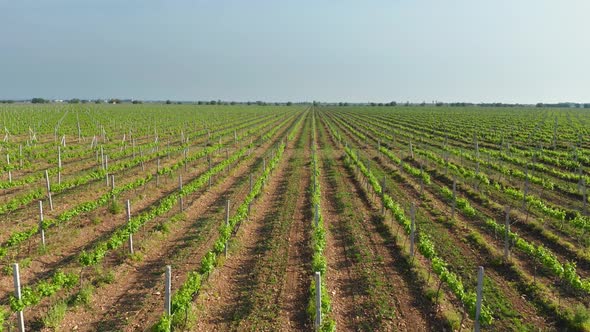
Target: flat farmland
(291, 218)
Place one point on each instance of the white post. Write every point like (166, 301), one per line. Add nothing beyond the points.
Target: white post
(584, 197)
(454, 196)
(41, 230)
(507, 235)
(48, 190)
(526, 187)
(210, 176)
(412, 228)
(17, 293)
(59, 164)
(226, 223)
(318, 300)
(106, 167)
(102, 157)
(158, 174)
(141, 157)
(9, 171)
(130, 234)
(383, 196)
(421, 180)
(478, 300)
(168, 292)
(180, 199)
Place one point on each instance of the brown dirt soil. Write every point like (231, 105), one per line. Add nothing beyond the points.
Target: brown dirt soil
(225, 302)
(295, 290)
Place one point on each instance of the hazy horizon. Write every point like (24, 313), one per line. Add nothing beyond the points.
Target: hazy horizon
(379, 51)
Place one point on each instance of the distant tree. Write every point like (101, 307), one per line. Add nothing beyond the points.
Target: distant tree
(212, 102)
(38, 101)
(178, 103)
(84, 101)
(168, 102)
(423, 103)
(289, 103)
(439, 103)
(232, 102)
(407, 103)
(74, 101)
(97, 101)
(392, 103)
(114, 101)
(540, 105)
(248, 103)
(137, 102)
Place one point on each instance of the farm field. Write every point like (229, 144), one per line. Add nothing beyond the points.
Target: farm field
(395, 207)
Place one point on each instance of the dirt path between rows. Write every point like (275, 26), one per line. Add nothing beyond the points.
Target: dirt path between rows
(412, 311)
(229, 300)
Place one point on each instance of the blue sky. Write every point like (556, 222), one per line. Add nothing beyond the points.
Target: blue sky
(332, 50)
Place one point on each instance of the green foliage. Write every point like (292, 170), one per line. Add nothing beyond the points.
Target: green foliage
(4, 314)
(581, 317)
(439, 266)
(566, 272)
(45, 288)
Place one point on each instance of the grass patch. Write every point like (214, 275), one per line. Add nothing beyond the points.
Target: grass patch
(104, 277)
(115, 207)
(84, 296)
(55, 314)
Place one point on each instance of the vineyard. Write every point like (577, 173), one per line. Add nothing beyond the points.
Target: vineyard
(216, 218)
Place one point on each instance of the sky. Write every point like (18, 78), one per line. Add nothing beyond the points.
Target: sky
(518, 51)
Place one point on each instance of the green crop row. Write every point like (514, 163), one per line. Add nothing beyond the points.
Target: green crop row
(32, 296)
(318, 244)
(183, 297)
(566, 272)
(426, 247)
